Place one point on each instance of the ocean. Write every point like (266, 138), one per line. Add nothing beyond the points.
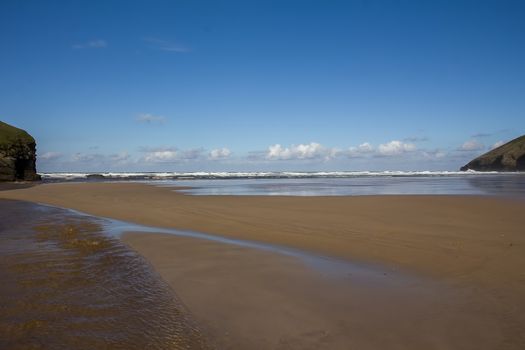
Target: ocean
(320, 183)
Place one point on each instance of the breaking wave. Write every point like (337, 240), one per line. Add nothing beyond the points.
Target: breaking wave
(78, 176)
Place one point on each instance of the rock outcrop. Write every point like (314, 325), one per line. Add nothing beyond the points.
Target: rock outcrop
(508, 157)
(17, 154)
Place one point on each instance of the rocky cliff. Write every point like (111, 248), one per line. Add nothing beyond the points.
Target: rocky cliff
(509, 157)
(17, 154)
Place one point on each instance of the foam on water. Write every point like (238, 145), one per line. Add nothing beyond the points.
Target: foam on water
(248, 175)
(343, 183)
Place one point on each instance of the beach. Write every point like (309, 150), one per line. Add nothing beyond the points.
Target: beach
(262, 175)
(448, 269)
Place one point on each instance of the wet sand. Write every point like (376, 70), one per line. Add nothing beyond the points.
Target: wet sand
(244, 298)
(68, 284)
(473, 247)
(5, 186)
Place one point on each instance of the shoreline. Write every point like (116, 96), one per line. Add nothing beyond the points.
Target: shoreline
(471, 245)
(69, 284)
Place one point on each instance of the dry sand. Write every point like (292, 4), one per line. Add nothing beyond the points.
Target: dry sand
(472, 248)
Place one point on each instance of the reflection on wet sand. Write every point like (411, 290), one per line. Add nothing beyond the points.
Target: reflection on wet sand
(512, 185)
(65, 284)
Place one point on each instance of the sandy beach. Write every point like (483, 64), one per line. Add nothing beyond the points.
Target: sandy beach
(262, 175)
(251, 299)
(465, 255)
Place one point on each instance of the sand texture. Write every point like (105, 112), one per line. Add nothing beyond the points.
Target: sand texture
(473, 246)
(245, 298)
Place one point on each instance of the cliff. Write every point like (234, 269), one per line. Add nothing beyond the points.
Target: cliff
(508, 157)
(17, 154)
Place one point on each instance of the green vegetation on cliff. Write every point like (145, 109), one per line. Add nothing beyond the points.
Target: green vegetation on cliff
(508, 157)
(10, 135)
(17, 154)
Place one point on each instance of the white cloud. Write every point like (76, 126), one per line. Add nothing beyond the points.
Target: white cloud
(50, 156)
(150, 118)
(161, 156)
(93, 44)
(171, 155)
(192, 154)
(433, 154)
(312, 150)
(99, 158)
(317, 151)
(166, 45)
(361, 150)
(471, 145)
(497, 144)
(219, 153)
(394, 148)
(119, 157)
(87, 157)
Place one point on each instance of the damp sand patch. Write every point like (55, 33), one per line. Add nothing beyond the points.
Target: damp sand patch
(68, 284)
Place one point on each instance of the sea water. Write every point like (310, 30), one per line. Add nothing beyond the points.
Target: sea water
(321, 183)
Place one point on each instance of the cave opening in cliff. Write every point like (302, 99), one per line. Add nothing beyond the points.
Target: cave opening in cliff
(20, 167)
(520, 163)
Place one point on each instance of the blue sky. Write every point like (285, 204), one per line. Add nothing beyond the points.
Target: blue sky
(262, 85)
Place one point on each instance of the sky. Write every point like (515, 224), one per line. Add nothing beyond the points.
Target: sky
(252, 85)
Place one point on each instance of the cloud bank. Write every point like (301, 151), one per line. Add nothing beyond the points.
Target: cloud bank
(394, 154)
(219, 153)
(471, 145)
(312, 150)
(362, 150)
(395, 148)
(170, 155)
(50, 156)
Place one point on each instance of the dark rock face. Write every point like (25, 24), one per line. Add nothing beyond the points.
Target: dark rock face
(17, 154)
(508, 157)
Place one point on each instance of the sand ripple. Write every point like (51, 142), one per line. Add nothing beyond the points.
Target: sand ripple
(65, 284)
